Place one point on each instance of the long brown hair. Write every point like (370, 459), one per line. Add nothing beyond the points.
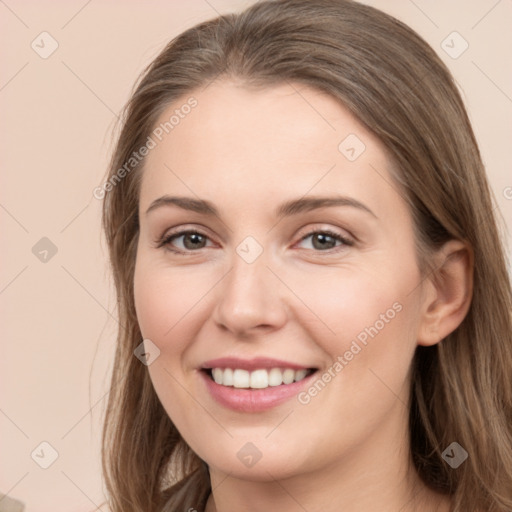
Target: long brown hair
(395, 84)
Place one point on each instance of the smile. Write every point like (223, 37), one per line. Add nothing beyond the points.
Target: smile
(257, 379)
(254, 385)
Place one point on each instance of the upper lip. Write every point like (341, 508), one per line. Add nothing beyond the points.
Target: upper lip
(256, 363)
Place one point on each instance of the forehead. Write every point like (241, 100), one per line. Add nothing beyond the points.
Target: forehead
(289, 138)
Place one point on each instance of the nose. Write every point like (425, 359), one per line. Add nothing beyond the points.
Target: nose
(249, 299)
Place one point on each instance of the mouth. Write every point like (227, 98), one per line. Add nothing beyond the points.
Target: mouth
(261, 378)
(254, 385)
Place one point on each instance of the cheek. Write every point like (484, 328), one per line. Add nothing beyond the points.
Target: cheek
(154, 303)
(167, 304)
(165, 298)
(374, 323)
(368, 327)
(346, 303)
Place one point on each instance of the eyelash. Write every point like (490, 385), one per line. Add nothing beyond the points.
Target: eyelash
(168, 238)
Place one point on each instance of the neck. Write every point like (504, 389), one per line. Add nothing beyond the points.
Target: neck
(377, 476)
(354, 495)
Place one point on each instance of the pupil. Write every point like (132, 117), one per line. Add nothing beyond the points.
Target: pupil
(323, 238)
(195, 238)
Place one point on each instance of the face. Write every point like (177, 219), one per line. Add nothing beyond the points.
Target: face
(278, 257)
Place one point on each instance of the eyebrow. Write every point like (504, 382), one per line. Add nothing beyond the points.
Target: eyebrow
(286, 209)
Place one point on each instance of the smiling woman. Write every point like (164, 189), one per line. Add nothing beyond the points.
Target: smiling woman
(316, 308)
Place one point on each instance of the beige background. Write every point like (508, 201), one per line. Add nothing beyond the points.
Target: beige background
(58, 317)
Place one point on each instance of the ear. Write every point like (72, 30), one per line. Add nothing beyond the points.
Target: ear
(447, 292)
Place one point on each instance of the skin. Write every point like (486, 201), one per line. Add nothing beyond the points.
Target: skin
(247, 151)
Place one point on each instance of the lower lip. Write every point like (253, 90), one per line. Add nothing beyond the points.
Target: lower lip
(253, 400)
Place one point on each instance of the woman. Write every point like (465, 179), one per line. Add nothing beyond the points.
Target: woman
(314, 301)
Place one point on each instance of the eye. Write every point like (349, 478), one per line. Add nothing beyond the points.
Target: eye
(325, 240)
(191, 240)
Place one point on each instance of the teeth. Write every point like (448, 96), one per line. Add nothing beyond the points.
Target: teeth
(217, 375)
(258, 379)
(227, 376)
(288, 376)
(300, 374)
(275, 377)
(241, 379)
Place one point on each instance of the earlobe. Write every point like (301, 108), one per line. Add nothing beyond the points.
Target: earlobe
(448, 292)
